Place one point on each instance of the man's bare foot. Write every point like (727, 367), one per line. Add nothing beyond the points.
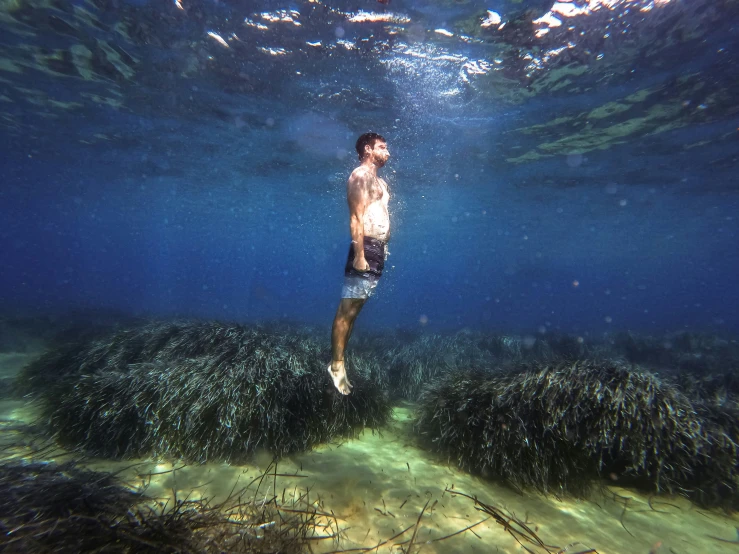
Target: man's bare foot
(338, 374)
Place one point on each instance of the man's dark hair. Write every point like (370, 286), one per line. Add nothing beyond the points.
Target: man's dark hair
(367, 139)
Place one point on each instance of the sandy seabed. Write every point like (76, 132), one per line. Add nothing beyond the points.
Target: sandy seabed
(378, 484)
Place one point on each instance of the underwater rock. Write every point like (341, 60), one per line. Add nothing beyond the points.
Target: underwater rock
(556, 428)
(47, 507)
(201, 391)
(412, 363)
(693, 352)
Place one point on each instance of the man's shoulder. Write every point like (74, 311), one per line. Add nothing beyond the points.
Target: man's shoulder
(359, 175)
(360, 171)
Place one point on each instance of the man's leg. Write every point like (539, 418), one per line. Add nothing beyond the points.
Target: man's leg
(346, 314)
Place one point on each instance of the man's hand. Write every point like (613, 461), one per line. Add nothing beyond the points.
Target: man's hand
(360, 263)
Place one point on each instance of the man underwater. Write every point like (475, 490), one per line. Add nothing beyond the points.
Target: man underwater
(369, 224)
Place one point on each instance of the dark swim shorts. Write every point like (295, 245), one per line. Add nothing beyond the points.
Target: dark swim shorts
(361, 284)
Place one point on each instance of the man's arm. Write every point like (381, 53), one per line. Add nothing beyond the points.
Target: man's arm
(357, 194)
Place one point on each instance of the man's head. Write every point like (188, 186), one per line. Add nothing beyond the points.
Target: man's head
(373, 147)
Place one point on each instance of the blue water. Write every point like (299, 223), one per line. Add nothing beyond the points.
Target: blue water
(557, 167)
(216, 187)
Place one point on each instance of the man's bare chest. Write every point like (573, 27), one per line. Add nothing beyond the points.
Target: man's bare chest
(379, 192)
